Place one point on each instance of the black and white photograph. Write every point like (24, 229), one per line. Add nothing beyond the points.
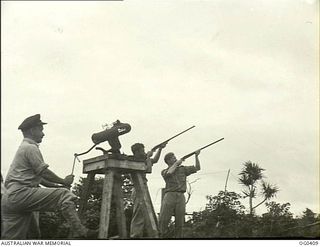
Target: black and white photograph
(159, 120)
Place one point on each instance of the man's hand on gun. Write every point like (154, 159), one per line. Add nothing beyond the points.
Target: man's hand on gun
(197, 152)
(163, 145)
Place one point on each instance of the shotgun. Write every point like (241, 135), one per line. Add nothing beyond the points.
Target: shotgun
(190, 154)
(157, 146)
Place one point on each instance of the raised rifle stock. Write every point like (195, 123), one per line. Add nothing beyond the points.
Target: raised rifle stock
(190, 154)
(157, 146)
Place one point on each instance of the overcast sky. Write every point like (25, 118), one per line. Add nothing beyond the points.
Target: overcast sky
(243, 70)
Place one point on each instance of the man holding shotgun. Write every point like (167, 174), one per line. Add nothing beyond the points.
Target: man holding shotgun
(138, 224)
(137, 227)
(173, 202)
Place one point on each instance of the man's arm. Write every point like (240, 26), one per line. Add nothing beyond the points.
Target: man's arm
(49, 184)
(155, 159)
(197, 166)
(35, 158)
(150, 161)
(193, 169)
(50, 176)
(173, 168)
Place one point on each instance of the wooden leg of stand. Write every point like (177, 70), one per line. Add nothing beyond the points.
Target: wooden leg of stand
(106, 204)
(85, 194)
(147, 204)
(153, 212)
(121, 218)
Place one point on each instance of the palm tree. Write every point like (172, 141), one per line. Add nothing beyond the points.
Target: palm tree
(250, 176)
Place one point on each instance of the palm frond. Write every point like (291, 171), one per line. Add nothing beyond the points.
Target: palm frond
(250, 173)
(268, 190)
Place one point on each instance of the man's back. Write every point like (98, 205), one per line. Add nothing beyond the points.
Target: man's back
(26, 167)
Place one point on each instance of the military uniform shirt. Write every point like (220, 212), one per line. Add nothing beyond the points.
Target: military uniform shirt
(26, 168)
(176, 182)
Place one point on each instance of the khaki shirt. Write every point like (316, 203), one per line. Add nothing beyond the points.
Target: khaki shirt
(26, 167)
(177, 181)
(3, 189)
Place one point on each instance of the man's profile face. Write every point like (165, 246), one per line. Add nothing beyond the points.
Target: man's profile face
(37, 133)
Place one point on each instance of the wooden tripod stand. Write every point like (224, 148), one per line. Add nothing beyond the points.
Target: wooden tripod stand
(112, 168)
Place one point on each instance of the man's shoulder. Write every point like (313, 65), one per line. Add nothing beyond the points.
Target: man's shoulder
(28, 146)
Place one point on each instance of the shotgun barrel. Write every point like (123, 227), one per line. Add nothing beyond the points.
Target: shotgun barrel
(190, 154)
(157, 146)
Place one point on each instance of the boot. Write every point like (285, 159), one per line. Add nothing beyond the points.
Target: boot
(78, 230)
